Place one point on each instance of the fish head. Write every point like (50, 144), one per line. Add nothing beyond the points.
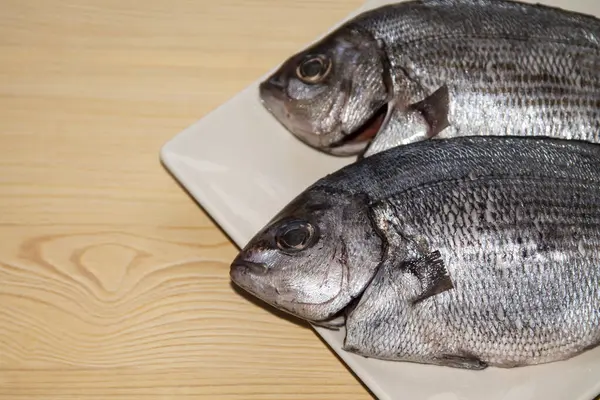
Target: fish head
(313, 258)
(333, 95)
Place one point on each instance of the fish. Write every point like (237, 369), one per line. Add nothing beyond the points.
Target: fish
(439, 69)
(470, 252)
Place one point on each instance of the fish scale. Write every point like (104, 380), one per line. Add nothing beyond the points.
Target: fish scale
(541, 308)
(517, 86)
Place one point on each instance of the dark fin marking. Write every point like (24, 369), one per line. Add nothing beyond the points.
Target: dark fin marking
(433, 275)
(465, 361)
(388, 81)
(434, 109)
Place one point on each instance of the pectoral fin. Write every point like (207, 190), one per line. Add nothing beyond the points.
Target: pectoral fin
(400, 127)
(417, 122)
(434, 109)
(432, 274)
(465, 361)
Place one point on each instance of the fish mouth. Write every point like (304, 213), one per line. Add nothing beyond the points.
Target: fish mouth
(248, 268)
(357, 141)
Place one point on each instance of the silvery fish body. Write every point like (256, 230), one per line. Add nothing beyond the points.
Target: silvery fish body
(451, 67)
(467, 252)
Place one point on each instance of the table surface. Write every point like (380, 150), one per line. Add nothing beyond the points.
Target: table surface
(113, 283)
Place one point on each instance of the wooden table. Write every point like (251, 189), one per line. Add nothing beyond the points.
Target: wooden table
(113, 283)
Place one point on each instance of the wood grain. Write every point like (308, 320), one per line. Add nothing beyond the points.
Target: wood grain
(113, 283)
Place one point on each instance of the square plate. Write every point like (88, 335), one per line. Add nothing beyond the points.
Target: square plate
(242, 166)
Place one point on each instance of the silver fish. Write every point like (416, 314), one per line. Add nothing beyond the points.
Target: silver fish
(456, 67)
(467, 252)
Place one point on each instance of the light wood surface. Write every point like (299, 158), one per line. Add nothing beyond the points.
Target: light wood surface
(113, 283)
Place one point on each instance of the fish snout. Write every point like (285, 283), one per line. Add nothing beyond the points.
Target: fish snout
(241, 268)
(275, 81)
(272, 92)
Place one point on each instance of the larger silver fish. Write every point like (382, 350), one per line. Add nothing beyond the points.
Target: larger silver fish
(449, 66)
(467, 252)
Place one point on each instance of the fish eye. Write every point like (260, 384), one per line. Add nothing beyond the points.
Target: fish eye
(295, 236)
(313, 69)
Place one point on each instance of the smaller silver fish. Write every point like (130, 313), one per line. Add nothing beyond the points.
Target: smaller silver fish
(442, 67)
(467, 252)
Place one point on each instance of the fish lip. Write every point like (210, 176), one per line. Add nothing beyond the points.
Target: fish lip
(248, 267)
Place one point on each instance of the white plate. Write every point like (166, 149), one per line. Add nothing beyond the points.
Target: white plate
(242, 167)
